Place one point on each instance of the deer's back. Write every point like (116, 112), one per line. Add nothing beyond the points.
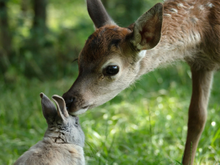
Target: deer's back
(196, 25)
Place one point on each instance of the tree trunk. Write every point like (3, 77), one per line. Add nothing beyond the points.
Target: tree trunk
(5, 39)
(40, 16)
(5, 36)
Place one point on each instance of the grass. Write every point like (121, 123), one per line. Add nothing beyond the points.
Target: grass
(145, 124)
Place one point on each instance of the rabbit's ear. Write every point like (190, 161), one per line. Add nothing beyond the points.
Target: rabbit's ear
(48, 108)
(61, 107)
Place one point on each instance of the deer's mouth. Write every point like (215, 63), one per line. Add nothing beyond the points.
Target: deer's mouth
(77, 104)
(80, 111)
(73, 110)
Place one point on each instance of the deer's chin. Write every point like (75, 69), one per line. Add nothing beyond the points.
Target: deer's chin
(79, 112)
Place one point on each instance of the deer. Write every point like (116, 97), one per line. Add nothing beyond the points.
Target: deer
(63, 141)
(114, 57)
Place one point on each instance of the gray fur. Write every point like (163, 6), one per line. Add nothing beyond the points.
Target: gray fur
(63, 141)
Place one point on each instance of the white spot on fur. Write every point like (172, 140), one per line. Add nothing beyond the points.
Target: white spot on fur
(168, 15)
(209, 4)
(201, 7)
(180, 5)
(142, 53)
(194, 38)
(174, 10)
(197, 37)
(194, 19)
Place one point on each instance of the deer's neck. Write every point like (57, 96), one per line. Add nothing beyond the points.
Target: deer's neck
(181, 34)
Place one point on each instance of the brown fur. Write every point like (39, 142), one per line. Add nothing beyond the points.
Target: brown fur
(190, 32)
(101, 43)
(195, 17)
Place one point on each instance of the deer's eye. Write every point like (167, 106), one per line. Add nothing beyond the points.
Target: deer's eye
(111, 70)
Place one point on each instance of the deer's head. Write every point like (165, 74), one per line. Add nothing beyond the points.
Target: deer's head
(110, 59)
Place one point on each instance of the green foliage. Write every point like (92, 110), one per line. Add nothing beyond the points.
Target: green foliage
(42, 54)
(68, 26)
(145, 124)
(123, 11)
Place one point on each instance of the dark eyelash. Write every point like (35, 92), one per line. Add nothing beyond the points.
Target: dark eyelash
(76, 59)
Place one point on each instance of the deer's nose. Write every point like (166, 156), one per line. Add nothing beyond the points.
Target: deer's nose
(69, 101)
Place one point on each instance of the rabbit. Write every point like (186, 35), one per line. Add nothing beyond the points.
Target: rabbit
(63, 141)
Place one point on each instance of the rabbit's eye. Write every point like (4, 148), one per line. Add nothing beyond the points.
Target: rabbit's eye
(77, 121)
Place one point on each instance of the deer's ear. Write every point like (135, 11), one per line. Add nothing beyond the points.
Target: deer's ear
(61, 107)
(48, 108)
(98, 13)
(147, 28)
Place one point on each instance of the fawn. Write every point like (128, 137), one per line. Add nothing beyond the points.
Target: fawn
(114, 57)
(63, 141)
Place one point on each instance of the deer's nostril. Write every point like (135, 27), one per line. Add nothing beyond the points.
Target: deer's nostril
(69, 102)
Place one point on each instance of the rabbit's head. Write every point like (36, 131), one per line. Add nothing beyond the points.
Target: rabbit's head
(62, 127)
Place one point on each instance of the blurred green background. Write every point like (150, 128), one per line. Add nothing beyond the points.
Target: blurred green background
(145, 124)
